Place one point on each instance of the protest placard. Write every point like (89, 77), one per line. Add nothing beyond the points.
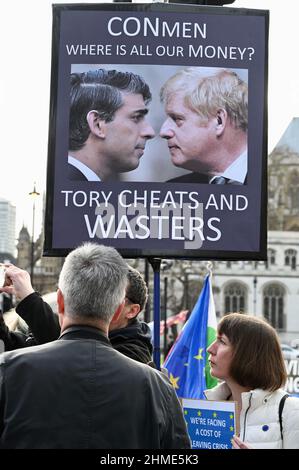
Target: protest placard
(211, 424)
(133, 162)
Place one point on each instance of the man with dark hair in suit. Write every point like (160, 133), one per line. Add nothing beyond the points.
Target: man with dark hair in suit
(108, 130)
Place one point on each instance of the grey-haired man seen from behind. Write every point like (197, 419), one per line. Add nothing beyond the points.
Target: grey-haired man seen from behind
(78, 392)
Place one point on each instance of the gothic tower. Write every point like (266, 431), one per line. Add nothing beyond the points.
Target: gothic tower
(24, 249)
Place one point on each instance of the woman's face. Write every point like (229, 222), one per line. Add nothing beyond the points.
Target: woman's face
(220, 358)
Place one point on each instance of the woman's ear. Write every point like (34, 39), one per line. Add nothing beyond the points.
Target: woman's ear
(96, 124)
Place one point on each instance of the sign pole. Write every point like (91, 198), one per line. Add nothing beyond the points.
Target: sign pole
(156, 264)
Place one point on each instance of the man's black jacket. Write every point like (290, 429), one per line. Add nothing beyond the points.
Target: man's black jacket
(79, 393)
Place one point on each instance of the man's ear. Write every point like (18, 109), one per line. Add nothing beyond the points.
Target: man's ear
(96, 125)
(118, 312)
(60, 302)
(133, 311)
(221, 119)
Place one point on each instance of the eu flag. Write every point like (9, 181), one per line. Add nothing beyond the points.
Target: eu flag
(186, 363)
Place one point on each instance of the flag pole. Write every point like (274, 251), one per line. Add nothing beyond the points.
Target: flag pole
(156, 264)
(209, 267)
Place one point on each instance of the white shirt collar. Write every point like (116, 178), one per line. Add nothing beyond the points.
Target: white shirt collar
(237, 171)
(87, 172)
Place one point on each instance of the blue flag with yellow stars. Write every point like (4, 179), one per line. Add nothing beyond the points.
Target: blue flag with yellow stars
(187, 362)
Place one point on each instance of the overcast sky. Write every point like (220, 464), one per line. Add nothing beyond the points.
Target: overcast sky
(25, 42)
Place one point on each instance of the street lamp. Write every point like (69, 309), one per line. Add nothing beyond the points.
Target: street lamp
(34, 194)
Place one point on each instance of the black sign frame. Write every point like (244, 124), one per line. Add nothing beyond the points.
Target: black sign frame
(53, 222)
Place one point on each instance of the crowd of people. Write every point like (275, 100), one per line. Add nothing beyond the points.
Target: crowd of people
(87, 378)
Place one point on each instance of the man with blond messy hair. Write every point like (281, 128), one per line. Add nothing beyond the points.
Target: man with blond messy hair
(206, 125)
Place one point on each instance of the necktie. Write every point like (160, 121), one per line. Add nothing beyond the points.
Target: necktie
(219, 180)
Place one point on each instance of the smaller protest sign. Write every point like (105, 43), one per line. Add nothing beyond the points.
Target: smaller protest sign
(292, 385)
(211, 424)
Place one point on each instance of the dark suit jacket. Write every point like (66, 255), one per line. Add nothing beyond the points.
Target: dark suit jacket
(79, 393)
(191, 178)
(75, 174)
(198, 178)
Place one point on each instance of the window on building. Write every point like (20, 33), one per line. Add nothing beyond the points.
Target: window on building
(274, 295)
(271, 256)
(294, 191)
(290, 258)
(235, 298)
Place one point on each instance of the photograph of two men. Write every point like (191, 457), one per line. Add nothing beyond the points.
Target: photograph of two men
(166, 123)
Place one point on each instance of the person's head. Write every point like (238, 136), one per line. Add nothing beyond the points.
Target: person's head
(136, 298)
(247, 351)
(207, 117)
(92, 285)
(107, 111)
